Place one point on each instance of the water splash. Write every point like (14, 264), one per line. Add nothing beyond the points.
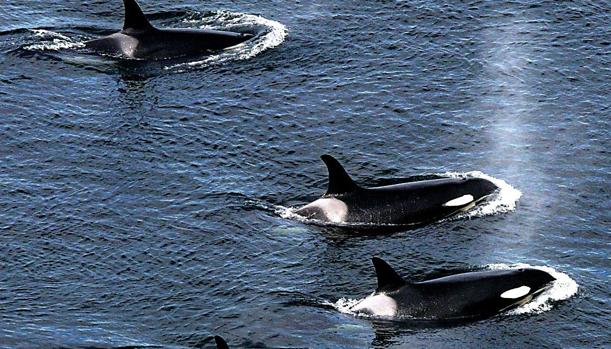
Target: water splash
(269, 35)
(345, 305)
(52, 41)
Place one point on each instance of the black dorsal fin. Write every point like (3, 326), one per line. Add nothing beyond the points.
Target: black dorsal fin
(339, 181)
(388, 279)
(135, 21)
(220, 343)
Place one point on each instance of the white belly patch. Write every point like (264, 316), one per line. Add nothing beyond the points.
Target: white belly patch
(128, 44)
(335, 210)
(515, 293)
(463, 200)
(377, 305)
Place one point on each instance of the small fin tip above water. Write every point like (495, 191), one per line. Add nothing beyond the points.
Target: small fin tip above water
(220, 343)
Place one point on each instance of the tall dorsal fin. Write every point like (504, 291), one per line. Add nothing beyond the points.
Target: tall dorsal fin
(220, 342)
(339, 181)
(388, 279)
(134, 18)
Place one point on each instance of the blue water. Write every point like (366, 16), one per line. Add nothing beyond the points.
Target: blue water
(139, 202)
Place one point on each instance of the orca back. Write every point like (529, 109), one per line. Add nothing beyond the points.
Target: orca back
(139, 39)
(415, 202)
(471, 295)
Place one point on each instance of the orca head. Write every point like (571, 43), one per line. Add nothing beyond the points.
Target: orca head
(535, 278)
(526, 284)
(480, 187)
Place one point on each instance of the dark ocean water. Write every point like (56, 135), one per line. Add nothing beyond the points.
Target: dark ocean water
(141, 203)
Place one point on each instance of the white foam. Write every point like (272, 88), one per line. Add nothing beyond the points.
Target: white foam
(52, 41)
(503, 200)
(562, 288)
(271, 34)
(346, 305)
(43, 33)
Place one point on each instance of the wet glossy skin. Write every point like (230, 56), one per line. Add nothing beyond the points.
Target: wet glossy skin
(469, 295)
(403, 204)
(460, 296)
(165, 43)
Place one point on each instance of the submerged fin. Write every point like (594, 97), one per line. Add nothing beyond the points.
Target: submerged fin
(134, 17)
(388, 279)
(339, 181)
(220, 343)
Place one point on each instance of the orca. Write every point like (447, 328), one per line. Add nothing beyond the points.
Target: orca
(140, 40)
(463, 296)
(412, 203)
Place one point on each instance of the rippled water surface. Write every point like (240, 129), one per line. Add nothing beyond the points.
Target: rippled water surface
(139, 202)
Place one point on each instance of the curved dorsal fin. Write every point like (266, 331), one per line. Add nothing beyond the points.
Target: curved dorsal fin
(134, 17)
(220, 342)
(339, 181)
(388, 279)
